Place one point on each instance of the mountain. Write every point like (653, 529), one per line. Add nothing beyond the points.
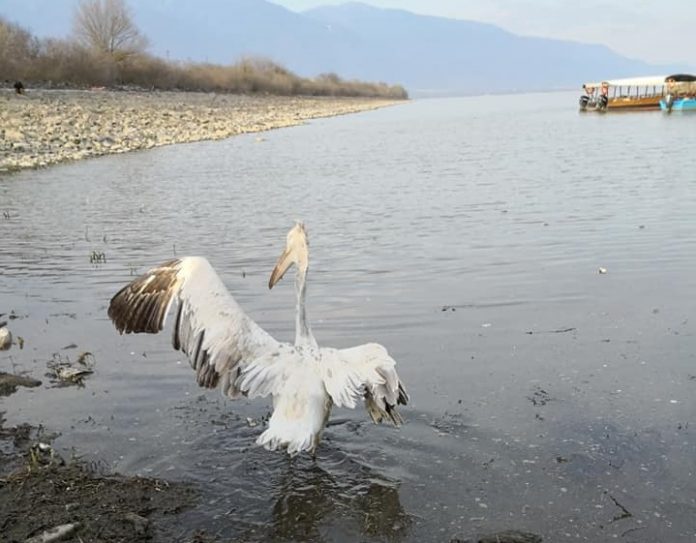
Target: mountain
(435, 53)
(424, 53)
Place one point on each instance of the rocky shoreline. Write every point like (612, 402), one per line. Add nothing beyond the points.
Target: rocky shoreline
(45, 127)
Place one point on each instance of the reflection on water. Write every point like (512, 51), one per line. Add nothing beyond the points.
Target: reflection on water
(308, 498)
(256, 495)
(463, 235)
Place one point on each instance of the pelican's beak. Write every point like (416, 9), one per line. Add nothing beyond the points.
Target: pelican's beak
(284, 262)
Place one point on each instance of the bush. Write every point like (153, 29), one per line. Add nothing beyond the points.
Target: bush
(18, 49)
(67, 63)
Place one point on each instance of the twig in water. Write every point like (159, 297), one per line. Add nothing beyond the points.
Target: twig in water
(633, 530)
(559, 331)
(625, 513)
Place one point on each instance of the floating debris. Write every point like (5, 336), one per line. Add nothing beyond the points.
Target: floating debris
(558, 331)
(97, 257)
(540, 397)
(43, 454)
(508, 536)
(64, 372)
(5, 337)
(624, 513)
(87, 359)
(72, 375)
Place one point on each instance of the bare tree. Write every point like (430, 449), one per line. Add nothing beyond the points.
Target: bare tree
(107, 26)
(18, 48)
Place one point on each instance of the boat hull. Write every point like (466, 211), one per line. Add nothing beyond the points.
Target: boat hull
(646, 102)
(623, 104)
(679, 104)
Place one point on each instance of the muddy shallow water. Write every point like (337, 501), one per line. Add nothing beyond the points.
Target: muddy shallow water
(465, 235)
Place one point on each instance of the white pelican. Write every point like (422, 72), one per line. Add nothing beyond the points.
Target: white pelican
(227, 348)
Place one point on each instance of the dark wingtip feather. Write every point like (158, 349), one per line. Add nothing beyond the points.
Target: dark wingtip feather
(393, 415)
(141, 305)
(379, 413)
(176, 339)
(403, 395)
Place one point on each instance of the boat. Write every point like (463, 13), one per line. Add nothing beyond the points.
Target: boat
(681, 93)
(624, 94)
(670, 104)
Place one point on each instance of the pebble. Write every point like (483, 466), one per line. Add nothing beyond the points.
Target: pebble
(50, 126)
(54, 534)
(5, 338)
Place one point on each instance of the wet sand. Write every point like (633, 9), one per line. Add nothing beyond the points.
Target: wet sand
(46, 498)
(46, 127)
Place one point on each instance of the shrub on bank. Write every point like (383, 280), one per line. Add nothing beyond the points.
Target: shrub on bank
(62, 63)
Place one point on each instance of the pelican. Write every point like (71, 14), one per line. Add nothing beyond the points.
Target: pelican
(226, 348)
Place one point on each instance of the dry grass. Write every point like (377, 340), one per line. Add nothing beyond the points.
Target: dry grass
(65, 63)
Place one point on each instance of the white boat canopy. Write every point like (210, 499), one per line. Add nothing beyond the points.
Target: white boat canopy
(647, 81)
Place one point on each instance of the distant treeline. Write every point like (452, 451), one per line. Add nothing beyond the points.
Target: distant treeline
(78, 63)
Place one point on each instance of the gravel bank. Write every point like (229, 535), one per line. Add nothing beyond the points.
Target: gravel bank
(46, 127)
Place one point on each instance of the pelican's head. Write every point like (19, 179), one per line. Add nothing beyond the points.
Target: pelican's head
(296, 252)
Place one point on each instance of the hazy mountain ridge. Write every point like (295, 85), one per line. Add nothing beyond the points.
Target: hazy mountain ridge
(355, 40)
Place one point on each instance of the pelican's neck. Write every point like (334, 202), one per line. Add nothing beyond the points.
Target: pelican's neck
(303, 334)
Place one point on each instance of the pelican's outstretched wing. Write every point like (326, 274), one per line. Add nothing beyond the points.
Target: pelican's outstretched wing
(211, 327)
(377, 372)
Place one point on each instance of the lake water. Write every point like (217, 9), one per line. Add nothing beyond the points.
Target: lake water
(466, 236)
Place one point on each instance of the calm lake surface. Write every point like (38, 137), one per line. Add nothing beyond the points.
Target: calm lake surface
(466, 236)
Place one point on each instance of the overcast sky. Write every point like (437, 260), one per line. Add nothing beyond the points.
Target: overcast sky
(653, 30)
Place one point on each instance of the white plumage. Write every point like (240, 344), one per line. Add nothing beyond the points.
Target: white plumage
(226, 348)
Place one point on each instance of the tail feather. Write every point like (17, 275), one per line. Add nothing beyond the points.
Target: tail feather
(295, 438)
(296, 424)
